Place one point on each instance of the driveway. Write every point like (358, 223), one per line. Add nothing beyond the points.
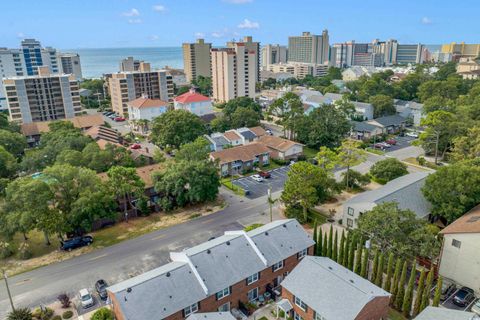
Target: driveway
(402, 142)
(259, 189)
(450, 305)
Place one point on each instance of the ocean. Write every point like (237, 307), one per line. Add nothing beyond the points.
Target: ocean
(96, 62)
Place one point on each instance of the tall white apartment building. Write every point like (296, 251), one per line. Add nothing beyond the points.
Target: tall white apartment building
(250, 46)
(70, 64)
(129, 64)
(309, 48)
(130, 85)
(234, 72)
(299, 70)
(272, 54)
(42, 97)
(196, 59)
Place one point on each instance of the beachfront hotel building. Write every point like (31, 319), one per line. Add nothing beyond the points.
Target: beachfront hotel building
(273, 54)
(234, 71)
(309, 48)
(250, 46)
(42, 97)
(70, 64)
(196, 59)
(130, 85)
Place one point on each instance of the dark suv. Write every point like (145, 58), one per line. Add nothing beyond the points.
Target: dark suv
(463, 297)
(101, 287)
(77, 242)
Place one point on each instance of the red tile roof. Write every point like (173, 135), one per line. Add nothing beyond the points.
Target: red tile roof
(147, 103)
(190, 97)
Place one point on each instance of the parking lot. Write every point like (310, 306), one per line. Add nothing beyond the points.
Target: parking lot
(258, 189)
(448, 303)
(402, 142)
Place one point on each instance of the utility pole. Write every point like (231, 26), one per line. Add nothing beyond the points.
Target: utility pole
(8, 289)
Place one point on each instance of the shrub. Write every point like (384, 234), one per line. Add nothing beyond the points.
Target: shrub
(421, 161)
(24, 251)
(387, 170)
(103, 314)
(20, 314)
(355, 179)
(5, 250)
(64, 300)
(252, 226)
(57, 317)
(302, 157)
(280, 162)
(67, 314)
(40, 314)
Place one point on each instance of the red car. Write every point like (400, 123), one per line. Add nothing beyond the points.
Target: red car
(119, 119)
(135, 146)
(391, 142)
(264, 174)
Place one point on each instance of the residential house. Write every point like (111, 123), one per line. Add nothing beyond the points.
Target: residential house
(409, 109)
(234, 138)
(33, 131)
(258, 131)
(319, 288)
(247, 135)
(439, 313)
(211, 316)
(222, 274)
(282, 149)
(102, 133)
(241, 159)
(459, 260)
(144, 108)
(364, 131)
(194, 102)
(405, 190)
(317, 101)
(217, 141)
(390, 124)
(355, 72)
(362, 109)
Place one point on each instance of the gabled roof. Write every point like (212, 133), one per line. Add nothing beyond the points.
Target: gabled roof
(231, 135)
(243, 153)
(247, 134)
(211, 316)
(144, 103)
(278, 143)
(81, 122)
(387, 121)
(436, 313)
(259, 131)
(410, 104)
(190, 97)
(334, 96)
(363, 126)
(405, 190)
(363, 105)
(468, 223)
(104, 133)
(219, 139)
(336, 282)
(102, 143)
(319, 99)
(145, 173)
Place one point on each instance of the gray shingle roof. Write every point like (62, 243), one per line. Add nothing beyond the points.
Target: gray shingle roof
(249, 135)
(219, 139)
(318, 99)
(405, 190)
(211, 316)
(158, 293)
(433, 313)
(363, 126)
(410, 104)
(387, 121)
(334, 96)
(324, 285)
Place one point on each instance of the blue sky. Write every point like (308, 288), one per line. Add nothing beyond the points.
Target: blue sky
(139, 23)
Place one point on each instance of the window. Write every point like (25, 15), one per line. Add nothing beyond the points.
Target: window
(252, 294)
(223, 293)
(302, 254)
(253, 278)
(277, 266)
(296, 316)
(319, 317)
(224, 307)
(300, 304)
(190, 309)
(350, 211)
(456, 243)
(349, 223)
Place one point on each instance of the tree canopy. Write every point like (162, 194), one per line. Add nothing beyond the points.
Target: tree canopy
(388, 169)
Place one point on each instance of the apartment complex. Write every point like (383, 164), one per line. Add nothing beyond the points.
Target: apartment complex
(196, 59)
(129, 64)
(461, 50)
(309, 48)
(218, 275)
(70, 64)
(299, 70)
(129, 85)
(43, 97)
(273, 54)
(235, 70)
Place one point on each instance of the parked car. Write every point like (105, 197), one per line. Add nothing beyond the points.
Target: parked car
(119, 119)
(386, 145)
(77, 242)
(448, 289)
(463, 297)
(379, 145)
(257, 178)
(476, 307)
(391, 142)
(264, 174)
(101, 287)
(86, 298)
(412, 134)
(269, 132)
(136, 146)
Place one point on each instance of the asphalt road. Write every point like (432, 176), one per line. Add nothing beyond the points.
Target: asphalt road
(128, 258)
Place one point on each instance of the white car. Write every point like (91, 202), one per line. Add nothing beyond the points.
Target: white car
(257, 178)
(476, 307)
(412, 134)
(86, 298)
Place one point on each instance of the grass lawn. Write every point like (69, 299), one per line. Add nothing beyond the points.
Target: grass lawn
(317, 215)
(395, 315)
(309, 152)
(227, 182)
(376, 151)
(427, 164)
(272, 165)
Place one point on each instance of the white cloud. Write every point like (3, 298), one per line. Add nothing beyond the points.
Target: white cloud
(247, 24)
(238, 1)
(131, 13)
(426, 20)
(20, 35)
(135, 21)
(199, 35)
(154, 37)
(159, 8)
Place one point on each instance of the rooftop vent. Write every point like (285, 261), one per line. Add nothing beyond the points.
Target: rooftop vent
(284, 225)
(208, 251)
(228, 243)
(168, 274)
(352, 281)
(473, 219)
(266, 233)
(170, 297)
(330, 268)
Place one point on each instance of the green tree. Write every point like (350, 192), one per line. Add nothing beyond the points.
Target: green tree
(103, 314)
(396, 278)
(319, 239)
(382, 105)
(453, 190)
(349, 155)
(194, 151)
(419, 294)
(376, 257)
(341, 248)
(244, 117)
(315, 236)
(346, 248)
(467, 147)
(20, 314)
(335, 247)
(387, 170)
(438, 292)
(325, 246)
(125, 184)
(358, 258)
(8, 164)
(330, 242)
(241, 102)
(351, 252)
(327, 158)
(407, 299)
(220, 124)
(176, 127)
(286, 109)
(203, 84)
(379, 275)
(428, 288)
(400, 293)
(388, 279)
(364, 269)
(356, 179)
(15, 143)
